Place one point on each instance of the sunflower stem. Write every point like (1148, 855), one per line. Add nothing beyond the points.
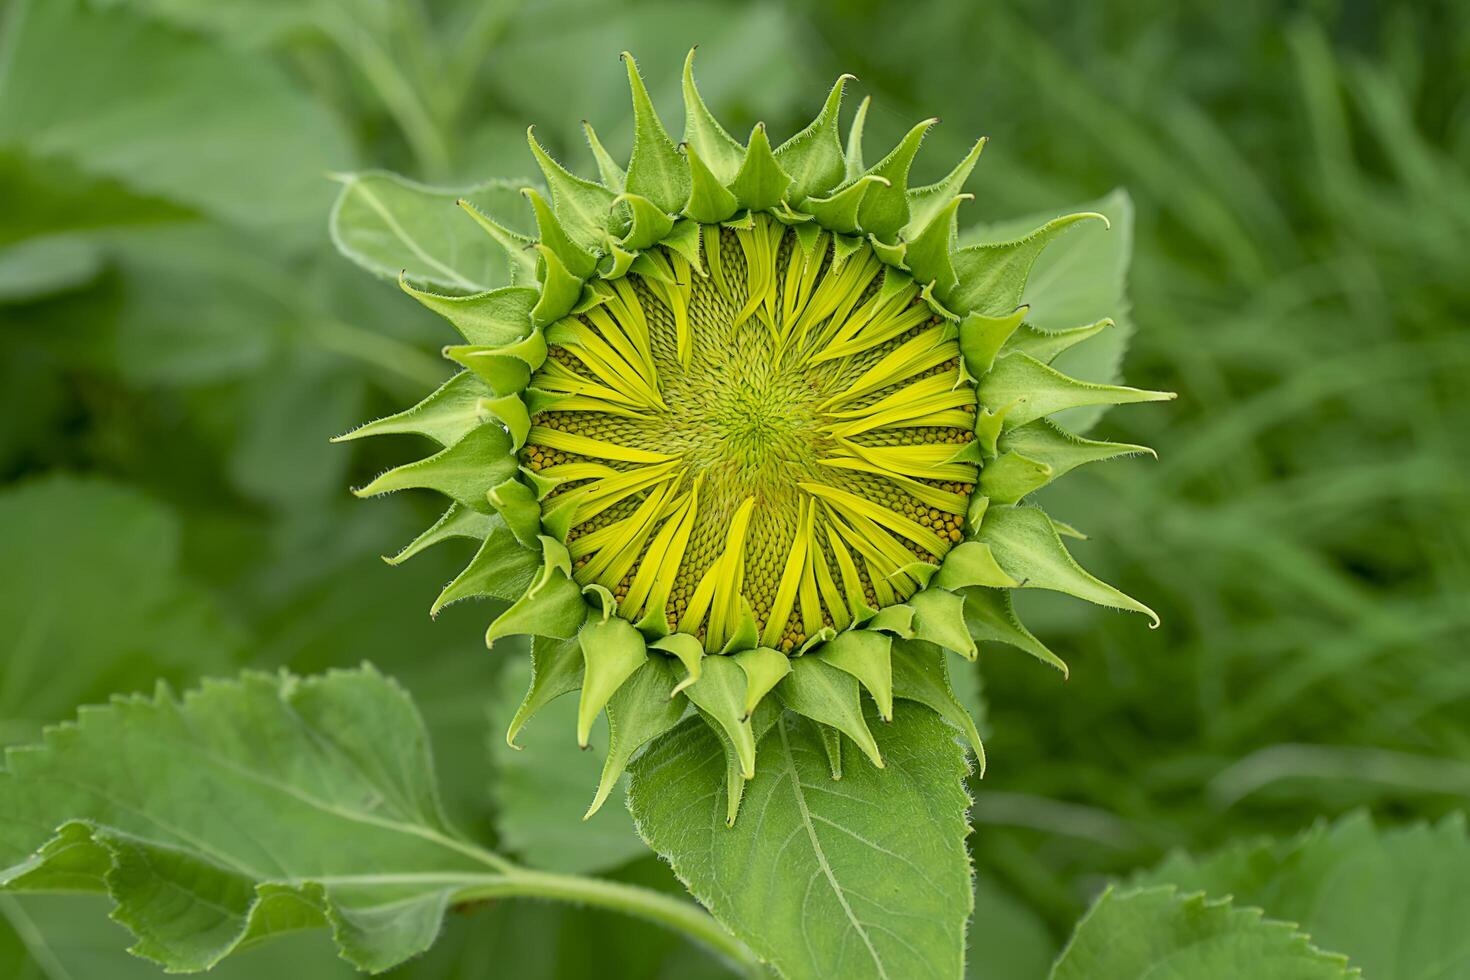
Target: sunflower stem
(645, 903)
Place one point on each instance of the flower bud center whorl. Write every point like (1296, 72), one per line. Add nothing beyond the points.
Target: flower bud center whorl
(778, 445)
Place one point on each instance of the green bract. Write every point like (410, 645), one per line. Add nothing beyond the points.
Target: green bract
(749, 430)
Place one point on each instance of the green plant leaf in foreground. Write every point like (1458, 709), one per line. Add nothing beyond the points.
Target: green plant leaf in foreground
(1397, 901)
(392, 225)
(858, 878)
(263, 806)
(1157, 932)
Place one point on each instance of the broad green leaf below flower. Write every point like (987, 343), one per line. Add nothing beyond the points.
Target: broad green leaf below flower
(862, 877)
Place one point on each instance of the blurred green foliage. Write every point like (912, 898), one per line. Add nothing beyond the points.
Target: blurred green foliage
(178, 340)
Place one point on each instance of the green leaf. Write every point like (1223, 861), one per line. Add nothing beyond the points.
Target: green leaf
(1034, 390)
(168, 114)
(867, 656)
(556, 669)
(854, 152)
(446, 416)
(542, 788)
(989, 615)
(550, 234)
(501, 569)
(720, 695)
(1394, 901)
(93, 600)
(648, 225)
(247, 809)
(1025, 544)
(581, 206)
(720, 151)
(394, 226)
(813, 157)
(993, 275)
(921, 673)
(495, 318)
(885, 208)
(761, 183)
(927, 202)
(1159, 932)
(656, 170)
(819, 691)
(764, 668)
(642, 709)
(553, 607)
(613, 176)
(612, 651)
(70, 937)
(939, 617)
(40, 267)
(709, 201)
(1060, 450)
(862, 878)
(464, 471)
(1082, 278)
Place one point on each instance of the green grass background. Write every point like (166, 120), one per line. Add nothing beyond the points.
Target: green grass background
(178, 341)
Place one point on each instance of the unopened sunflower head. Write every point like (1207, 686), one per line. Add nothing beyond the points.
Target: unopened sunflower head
(749, 433)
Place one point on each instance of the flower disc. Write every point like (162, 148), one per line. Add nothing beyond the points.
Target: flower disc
(774, 442)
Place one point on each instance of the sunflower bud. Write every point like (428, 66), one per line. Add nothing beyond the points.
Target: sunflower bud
(752, 434)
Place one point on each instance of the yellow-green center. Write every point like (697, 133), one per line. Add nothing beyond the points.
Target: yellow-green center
(755, 449)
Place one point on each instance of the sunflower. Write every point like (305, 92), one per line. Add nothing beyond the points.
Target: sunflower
(749, 433)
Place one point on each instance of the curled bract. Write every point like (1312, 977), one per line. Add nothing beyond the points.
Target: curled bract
(749, 432)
